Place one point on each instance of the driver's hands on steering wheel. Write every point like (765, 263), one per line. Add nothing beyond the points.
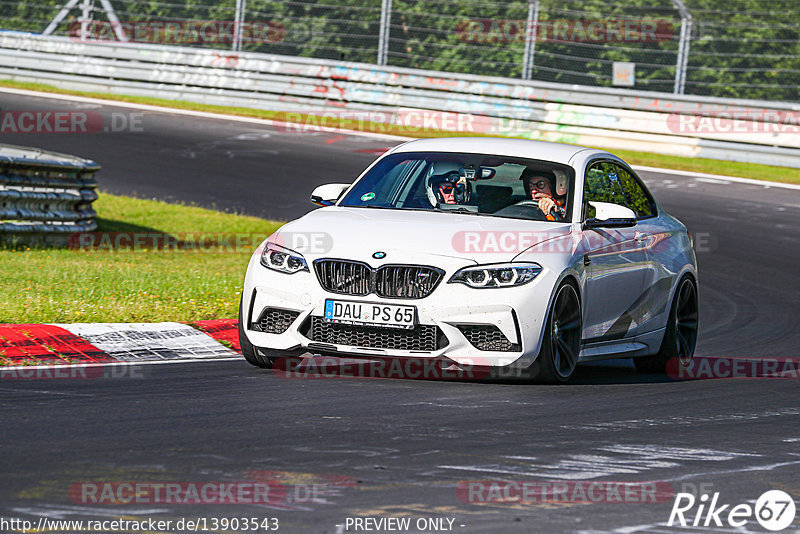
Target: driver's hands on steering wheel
(546, 204)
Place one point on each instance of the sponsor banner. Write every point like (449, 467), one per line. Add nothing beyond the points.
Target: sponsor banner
(709, 367)
(318, 367)
(571, 491)
(32, 344)
(133, 342)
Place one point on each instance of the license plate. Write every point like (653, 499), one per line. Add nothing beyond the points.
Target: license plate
(366, 313)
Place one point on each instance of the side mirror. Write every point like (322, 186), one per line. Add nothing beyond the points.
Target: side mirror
(328, 194)
(608, 215)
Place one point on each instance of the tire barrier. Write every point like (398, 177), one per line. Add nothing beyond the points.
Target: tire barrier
(45, 196)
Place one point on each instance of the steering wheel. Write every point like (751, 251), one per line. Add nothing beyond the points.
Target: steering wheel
(532, 207)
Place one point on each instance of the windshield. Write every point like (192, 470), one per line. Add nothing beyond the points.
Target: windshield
(479, 184)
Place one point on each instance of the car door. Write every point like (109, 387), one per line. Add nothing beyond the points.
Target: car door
(652, 306)
(616, 262)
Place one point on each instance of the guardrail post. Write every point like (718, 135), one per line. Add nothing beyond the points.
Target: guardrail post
(237, 25)
(531, 34)
(383, 36)
(682, 62)
(86, 18)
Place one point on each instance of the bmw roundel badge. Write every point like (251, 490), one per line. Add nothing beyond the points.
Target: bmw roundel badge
(379, 255)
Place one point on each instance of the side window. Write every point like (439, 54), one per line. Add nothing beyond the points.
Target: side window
(602, 185)
(636, 195)
(607, 182)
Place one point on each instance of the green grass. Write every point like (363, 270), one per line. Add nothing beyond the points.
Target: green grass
(755, 171)
(134, 284)
(730, 168)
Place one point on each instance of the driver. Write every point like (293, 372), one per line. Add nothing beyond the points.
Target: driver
(540, 186)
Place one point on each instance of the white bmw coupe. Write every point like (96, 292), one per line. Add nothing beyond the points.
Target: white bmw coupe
(521, 257)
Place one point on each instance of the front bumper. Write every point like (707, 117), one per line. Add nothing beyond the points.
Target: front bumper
(454, 313)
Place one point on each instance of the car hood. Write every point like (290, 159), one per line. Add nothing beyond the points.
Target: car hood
(407, 236)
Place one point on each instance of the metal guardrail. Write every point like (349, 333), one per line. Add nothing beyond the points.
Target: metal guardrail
(45, 196)
(611, 118)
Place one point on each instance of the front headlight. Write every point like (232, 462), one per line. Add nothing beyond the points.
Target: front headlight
(281, 259)
(497, 275)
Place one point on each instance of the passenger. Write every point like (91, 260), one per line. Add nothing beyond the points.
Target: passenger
(447, 190)
(448, 187)
(540, 186)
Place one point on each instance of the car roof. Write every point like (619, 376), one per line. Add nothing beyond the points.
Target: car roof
(500, 146)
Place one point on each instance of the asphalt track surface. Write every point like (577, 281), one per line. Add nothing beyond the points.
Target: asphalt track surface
(398, 448)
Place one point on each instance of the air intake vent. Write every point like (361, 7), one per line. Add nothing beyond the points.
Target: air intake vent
(421, 338)
(487, 337)
(274, 321)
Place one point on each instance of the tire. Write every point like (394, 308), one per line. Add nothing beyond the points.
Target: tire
(250, 352)
(680, 336)
(561, 340)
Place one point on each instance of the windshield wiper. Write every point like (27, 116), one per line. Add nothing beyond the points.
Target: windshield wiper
(371, 206)
(460, 211)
